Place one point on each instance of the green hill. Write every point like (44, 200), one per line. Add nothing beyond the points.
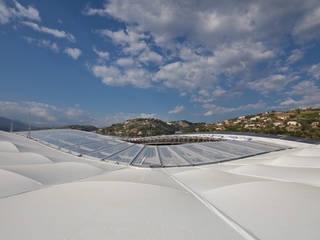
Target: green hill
(299, 122)
(139, 127)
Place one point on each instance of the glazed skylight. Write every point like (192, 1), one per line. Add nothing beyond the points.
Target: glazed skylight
(107, 148)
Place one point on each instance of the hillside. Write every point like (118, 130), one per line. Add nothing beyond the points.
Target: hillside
(140, 127)
(17, 126)
(299, 122)
(88, 128)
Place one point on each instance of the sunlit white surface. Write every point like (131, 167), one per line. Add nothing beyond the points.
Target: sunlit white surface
(46, 193)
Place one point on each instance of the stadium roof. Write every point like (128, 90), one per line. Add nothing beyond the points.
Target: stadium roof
(248, 187)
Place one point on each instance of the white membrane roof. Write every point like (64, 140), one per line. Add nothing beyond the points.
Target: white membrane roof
(249, 188)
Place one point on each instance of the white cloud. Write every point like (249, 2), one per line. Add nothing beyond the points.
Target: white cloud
(314, 71)
(303, 88)
(23, 12)
(148, 115)
(306, 94)
(43, 114)
(150, 56)
(308, 27)
(218, 110)
(218, 92)
(5, 13)
(41, 110)
(295, 56)
(54, 32)
(177, 109)
(130, 39)
(17, 11)
(213, 22)
(209, 48)
(125, 62)
(101, 54)
(91, 11)
(112, 76)
(43, 43)
(73, 52)
(194, 68)
(198, 71)
(109, 75)
(206, 96)
(274, 82)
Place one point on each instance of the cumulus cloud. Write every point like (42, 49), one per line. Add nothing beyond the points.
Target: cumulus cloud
(42, 43)
(211, 22)
(113, 76)
(54, 32)
(303, 94)
(217, 110)
(314, 71)
(125, 62)
(177, 109)
(101, 54)
(73, 52)
(206, 96)
(148, 56)
(308, 27)
(295, 56)
(209, 48)
(43, 114)
(17, 11)
(272, 82)
(131, 40)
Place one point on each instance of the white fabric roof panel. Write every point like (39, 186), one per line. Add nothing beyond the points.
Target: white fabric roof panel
(206, 179)
(55, 173)
(12, 183)
(291, 174)
(49, 194)
(152, 176)
(292, 160)
(272, 210)
(6, 146)
(110, 210)
(18, 158)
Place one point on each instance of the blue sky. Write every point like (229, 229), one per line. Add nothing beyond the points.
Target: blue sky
(100, 62)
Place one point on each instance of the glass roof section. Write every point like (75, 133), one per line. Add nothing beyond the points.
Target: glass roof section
(113, 149)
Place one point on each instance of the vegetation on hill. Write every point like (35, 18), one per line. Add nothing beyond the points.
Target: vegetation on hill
(144, 127)
(139, 127)
(299, 122)
(88, 128)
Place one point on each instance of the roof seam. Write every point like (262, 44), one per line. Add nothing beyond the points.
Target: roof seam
(227, 219)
